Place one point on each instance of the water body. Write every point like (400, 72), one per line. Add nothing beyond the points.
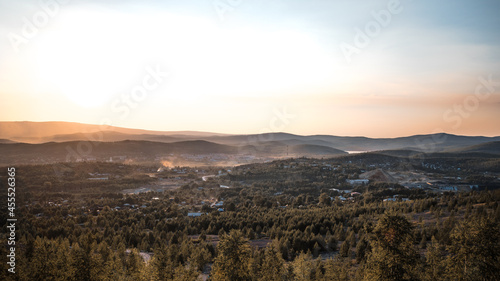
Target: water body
(356, 151)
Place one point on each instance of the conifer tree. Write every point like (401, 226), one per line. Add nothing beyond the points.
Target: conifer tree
(345, 249)
(134, 264)
(233, 258)
(113, 268)
(393, 256)
(182, 273)
(81, 262)
(361, 250)
(163, 265)
(51, 260)
(434, 261)
(474, 250)
(336, 270)
(302, 267)
(273, 264)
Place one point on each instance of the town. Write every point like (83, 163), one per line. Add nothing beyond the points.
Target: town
(304, 205)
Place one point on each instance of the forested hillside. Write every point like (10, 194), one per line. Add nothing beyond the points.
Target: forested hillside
(256, 222)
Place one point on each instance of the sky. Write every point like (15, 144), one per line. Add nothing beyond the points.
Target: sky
(350, 68)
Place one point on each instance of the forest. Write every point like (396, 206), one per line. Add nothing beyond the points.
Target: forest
(294, 219)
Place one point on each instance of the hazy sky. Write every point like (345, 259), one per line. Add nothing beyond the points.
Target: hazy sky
(373, 68)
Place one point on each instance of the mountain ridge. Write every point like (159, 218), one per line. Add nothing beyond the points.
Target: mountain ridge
(35, 132)
(148, 151)
(31, 129)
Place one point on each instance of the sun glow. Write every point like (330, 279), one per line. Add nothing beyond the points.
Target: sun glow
(82, 59)
(91, 61)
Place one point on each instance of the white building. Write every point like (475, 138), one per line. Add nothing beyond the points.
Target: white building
(358, 181)
(197, 214)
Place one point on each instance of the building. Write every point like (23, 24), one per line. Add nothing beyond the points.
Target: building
(99, 179)
(218, 204)
(448, 188)
(196, 214)
(358, 181)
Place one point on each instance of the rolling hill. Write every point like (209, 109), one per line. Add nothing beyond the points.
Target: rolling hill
(311, 149)
(255, 144)
(38, 132)
(133, 150)
(6, 141)
(488, 148)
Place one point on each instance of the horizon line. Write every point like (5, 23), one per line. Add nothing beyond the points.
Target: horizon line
(247, 134)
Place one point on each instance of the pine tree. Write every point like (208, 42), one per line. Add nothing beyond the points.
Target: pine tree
(113, 268)
(324, 200)
(81, 262)
(233, 258)
(273, 264)
(163, 265)
(345, 249)
(302, 267)
(51, 260)
(393, 256)
(474, 250)
(434, 261)
(361, 249)
(182, 273)
(336, 270)
(319, 270)
(40, 267)
(147, 272)
(332, 242)
(423, 242)
(316, 249)
(200, 257)
(134, 264)
(87, 260)
(256, 263)
(352, 239)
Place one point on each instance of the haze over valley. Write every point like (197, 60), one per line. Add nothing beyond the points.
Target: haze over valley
(49, 142)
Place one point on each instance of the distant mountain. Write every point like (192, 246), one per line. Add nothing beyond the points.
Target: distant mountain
(423, 143)
(278, 148)
(37, 132)
(489, 148)
(6, 141)
(77, 150)
(310, 149)
(406, 153)
(133, 150)
(273, 143)
(111, 136)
